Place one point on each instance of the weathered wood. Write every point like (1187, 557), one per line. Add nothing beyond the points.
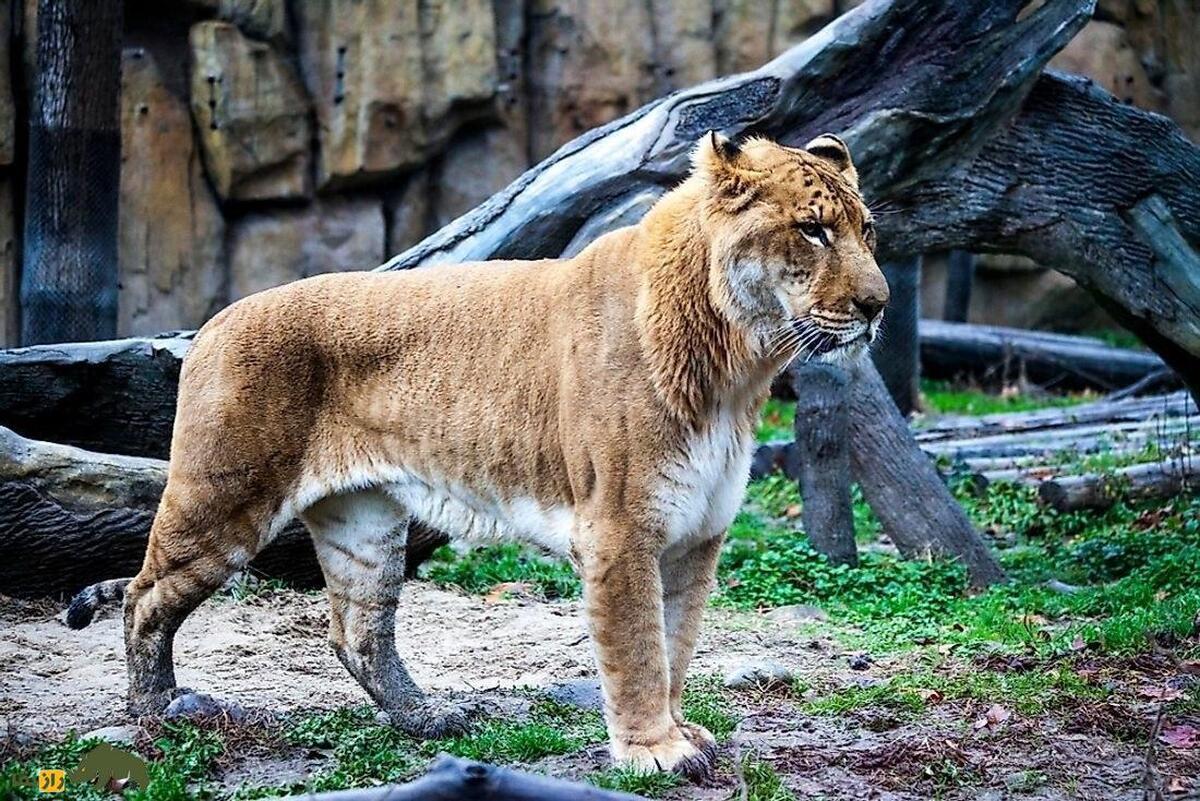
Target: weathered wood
(114, 397)
(69, 518)
(957, 69)
(1138, 482)
(69, 266)
(1158, 381)
(1078, 439)
(997, 356)
(1078, 180)
(453, 779)
(901, 483)
(823, 459)
(1177, 404)
(896, 352)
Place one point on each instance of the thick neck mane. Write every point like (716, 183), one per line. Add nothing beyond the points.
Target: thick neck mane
(697, 355)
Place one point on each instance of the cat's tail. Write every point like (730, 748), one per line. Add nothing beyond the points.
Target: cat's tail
(90, 599)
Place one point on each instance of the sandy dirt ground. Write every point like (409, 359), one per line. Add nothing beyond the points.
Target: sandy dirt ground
(269, 652)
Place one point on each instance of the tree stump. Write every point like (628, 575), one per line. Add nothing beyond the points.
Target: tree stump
(904, 489)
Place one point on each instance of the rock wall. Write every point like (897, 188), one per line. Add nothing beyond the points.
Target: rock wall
(267, 140)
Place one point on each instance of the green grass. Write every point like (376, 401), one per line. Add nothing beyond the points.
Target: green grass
(1031, 692)
(632, 780)
(1132, 565)
(762, 782)
(1116, 337)
(705, 703)
(942, 397)
(365, 753)
(481, 569)
(777, 420)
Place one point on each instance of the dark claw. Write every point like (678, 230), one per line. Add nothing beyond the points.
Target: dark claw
(432, 722)
(699, 768)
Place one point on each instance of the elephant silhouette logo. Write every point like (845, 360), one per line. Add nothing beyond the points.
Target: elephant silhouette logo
(109, 768)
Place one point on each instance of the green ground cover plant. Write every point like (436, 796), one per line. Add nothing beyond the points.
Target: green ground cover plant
(180, 760)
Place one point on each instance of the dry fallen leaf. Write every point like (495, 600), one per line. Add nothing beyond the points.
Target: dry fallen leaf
(995, 715)
(930, 696)
(506, 589)
(792, 511)
(1182, 736)
(1157, 693)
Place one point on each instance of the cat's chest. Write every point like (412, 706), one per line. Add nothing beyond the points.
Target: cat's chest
(702, 483)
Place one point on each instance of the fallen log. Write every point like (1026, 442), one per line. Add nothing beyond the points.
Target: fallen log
(114, 397)
(70, 517)
(1138, 482)
(1163, 407)
(990, 465)
(998, 356)
(453, 779)
(1079, 439)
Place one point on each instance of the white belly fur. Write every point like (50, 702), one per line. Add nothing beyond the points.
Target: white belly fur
(698, 496)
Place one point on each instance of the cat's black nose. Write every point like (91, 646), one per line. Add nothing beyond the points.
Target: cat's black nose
(870, 308)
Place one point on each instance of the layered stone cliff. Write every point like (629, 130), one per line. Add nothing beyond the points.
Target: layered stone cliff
(268, 140)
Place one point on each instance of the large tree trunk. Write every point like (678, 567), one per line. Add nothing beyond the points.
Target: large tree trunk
(904, 489)
(1102, 191)
(69, 276)
(823, 459)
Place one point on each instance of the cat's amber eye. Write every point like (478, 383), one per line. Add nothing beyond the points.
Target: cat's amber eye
(814, 230)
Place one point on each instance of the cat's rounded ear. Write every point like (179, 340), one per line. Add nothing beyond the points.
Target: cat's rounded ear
(727, 170)
(715, 154)
(834, 150)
